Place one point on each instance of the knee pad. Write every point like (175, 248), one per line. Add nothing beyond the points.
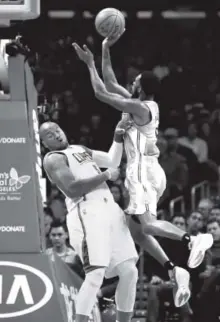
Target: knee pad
(95, 277)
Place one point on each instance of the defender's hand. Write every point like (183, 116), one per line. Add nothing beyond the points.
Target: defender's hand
(113, 174)
(124, 124)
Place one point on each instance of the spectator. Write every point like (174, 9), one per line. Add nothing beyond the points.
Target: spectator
(58, 236)
(213, 227)
(215, 213)
(192, 141)
(85, 136)
(195, 223)
(171, 135)
(48, 219)
(205, 206)
(179, 221)
(57, 204)
(96, 127)
(211, 278)
(175, 169)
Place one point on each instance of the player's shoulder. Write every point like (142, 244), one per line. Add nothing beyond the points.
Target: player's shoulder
(53, 159)
(152, 105)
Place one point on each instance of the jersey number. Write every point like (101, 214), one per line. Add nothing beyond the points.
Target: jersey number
(85, 157)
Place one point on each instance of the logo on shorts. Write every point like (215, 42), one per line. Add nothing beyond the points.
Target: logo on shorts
(11, 185)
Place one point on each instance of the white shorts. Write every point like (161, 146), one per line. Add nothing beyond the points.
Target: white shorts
(146, 183)
(99, 233)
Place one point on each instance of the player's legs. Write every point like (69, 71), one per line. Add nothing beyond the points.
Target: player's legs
(156, 184)
(181, 291)
(95, 223)
(198, 245)
(87, 295)
(126, 290)
(90, 230)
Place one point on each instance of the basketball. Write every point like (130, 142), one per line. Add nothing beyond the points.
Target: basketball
(109, 22)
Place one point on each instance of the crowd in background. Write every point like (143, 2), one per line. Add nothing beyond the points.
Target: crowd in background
(185, 56)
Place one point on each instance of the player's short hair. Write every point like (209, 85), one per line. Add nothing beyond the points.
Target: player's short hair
(58, 224)
(150, 83)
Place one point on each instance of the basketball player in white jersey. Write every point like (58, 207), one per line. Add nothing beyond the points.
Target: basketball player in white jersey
(97, 226)
(145, 179)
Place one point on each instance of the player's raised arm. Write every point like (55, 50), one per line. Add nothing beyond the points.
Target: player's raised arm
(58, 171)
(112, 158)
(129, 105)
(110, 80)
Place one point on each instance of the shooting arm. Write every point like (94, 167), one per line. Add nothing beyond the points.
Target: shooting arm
(60, 174)
(128, 105)
(110, 80)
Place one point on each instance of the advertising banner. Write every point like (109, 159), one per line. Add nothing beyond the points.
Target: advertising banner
(19, 225)
(33, 288)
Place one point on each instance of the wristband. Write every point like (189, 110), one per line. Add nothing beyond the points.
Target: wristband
(118, 138)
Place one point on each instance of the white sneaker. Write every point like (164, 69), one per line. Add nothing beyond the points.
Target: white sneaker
(199, 245)
(181, 291)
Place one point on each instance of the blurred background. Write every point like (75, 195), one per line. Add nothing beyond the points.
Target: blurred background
(180, 42)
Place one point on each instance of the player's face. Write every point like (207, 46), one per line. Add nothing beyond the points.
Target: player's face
(54, 138)
(136, 87)
(58, 237)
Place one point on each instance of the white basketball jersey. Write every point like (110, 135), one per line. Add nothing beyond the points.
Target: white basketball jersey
(141, 141)
(82, 166)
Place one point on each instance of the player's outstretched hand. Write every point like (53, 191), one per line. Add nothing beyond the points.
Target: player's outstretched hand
(113, 174)
(123, 125)
(84, 54)
(111, 40)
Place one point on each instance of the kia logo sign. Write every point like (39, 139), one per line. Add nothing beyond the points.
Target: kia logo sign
(16, 286)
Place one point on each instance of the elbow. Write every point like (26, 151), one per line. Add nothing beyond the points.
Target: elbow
(73, 191)
(110, 86)
(114, 164)
(99, 93)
